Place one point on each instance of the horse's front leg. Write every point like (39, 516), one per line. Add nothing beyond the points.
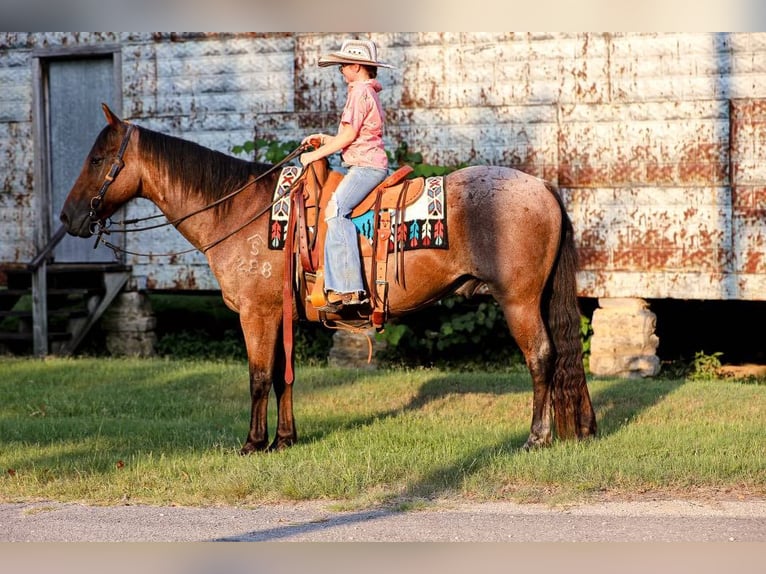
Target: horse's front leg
(260, 385)
(286, 432)
(266, 365)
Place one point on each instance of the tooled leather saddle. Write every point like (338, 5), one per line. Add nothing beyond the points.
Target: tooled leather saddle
(307, 230)
(304, 244)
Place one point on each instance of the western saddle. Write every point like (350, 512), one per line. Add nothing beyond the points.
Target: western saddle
(307, 230)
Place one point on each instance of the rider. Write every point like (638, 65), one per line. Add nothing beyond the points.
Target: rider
(360, 141)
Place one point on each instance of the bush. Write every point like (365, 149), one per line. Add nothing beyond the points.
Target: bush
(455, 332)
(197, 344)
(202, 327)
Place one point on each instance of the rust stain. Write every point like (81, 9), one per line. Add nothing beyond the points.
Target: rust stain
(754, 262)
(185, 280)
(660, 258)
(629, 259)
(749, 203)
(593, 258)
(592, 237)
(565, 174)
(694, 164)
(698, 260)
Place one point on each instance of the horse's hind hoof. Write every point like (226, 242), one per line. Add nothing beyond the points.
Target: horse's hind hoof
(281, 444)
(534, 443)
(250, 448)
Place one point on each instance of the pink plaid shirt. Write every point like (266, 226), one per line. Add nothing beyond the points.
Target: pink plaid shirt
(365, 114)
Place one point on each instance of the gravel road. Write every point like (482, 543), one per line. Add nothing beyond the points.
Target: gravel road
(709, 537)
(449, 521)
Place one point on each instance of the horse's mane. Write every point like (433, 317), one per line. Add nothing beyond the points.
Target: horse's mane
(195, 169)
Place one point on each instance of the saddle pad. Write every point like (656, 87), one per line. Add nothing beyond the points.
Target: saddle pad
(280, 209)
(423, 225)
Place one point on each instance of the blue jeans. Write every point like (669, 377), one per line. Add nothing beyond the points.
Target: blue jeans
(342, 263)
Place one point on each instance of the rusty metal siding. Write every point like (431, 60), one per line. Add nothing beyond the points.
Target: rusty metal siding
(208, 89)
(655, 139)
(748, 197)
(18, 208)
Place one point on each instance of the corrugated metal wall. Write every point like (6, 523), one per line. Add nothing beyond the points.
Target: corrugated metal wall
(656, 140)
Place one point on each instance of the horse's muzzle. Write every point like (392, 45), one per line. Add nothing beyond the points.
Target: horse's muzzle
(79, 226)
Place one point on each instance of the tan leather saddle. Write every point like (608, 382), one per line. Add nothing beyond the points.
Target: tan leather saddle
(310, 202)
(306, 231)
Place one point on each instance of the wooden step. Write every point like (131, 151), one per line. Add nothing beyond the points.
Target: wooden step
(77, 296)
(80, 291)
(73, 313)
(27, 337)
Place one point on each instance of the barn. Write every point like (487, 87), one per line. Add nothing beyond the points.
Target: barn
(656, 141)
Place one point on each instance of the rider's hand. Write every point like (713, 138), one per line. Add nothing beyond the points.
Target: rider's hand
(307, 158)
(314, 140)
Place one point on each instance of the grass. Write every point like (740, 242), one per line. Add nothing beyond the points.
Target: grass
(162, 431)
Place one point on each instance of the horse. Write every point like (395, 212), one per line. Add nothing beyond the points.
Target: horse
(510, 237)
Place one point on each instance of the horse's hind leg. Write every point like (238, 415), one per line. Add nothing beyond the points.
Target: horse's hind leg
(527, 328)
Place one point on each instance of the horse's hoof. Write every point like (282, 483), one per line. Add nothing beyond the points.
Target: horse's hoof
(588, 432)
(250, 448)
(534, 443)
(278, 444)
(587, 435)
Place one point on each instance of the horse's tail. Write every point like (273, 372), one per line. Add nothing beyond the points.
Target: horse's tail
(572, 409)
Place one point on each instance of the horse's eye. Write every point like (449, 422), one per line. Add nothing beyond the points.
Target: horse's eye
(96, 160)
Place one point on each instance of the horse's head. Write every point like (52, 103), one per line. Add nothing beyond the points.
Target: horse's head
(108, 178)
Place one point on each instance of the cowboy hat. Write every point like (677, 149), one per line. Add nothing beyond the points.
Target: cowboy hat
(363, 52)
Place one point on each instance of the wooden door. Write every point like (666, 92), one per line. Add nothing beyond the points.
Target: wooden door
(73, 88)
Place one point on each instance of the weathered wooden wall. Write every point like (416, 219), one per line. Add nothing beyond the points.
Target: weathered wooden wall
(656, 140)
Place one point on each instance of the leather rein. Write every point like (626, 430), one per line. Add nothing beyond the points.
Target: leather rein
(100, 226)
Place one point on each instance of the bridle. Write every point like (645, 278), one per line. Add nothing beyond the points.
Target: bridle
(117, 165)
(100, 226)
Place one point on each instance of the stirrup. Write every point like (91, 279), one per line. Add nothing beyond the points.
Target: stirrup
(345, 299)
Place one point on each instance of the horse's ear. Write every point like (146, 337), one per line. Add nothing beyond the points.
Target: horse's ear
(111, 117)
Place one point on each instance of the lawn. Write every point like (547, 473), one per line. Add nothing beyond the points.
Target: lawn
(165, 431)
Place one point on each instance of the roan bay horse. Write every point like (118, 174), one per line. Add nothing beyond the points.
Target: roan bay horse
(510, 236)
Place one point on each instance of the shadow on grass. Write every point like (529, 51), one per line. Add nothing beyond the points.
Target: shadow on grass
(617, 402)
(439, 386)
(161, 395)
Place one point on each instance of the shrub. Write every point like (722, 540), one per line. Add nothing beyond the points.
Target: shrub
(202, 327)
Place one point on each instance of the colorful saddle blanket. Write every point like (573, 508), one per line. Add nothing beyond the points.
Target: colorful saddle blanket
(422, 224)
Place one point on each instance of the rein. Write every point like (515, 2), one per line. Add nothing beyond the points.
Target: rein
(101, 226)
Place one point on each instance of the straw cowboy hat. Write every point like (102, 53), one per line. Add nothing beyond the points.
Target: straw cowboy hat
(363, 52)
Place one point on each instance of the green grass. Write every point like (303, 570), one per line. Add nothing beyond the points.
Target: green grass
(161, 431)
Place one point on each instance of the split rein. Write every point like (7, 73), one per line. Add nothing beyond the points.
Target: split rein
(100, 227)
